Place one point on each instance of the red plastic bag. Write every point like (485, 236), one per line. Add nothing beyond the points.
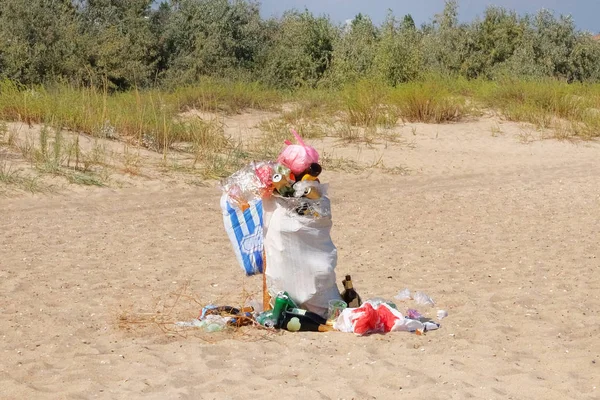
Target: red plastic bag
(366, 320)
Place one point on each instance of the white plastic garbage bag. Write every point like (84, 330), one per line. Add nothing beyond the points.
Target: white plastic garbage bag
(300, 255)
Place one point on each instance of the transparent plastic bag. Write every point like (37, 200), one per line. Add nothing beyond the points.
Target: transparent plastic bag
(317, 206)
(419, 297)
(252, 182)
(404, 294)
(423, 299)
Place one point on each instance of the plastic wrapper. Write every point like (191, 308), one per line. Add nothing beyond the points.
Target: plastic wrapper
(310, 189)
(376, 301)
(419, 297)
(404, 294)
(210, 323)
(316, 207)
(413, 314)
(422, 299)
(252, 182)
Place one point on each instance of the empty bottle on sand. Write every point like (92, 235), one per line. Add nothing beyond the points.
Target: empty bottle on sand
(349, 295)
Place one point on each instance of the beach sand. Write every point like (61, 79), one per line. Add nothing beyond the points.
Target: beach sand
(501, 230)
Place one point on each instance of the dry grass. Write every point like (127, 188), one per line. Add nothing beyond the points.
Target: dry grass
(428, 102)
(367, 104)
(13, 179)
(363, 113)
(50, 152)
(568, 110)
(183, 305)
(147, 118)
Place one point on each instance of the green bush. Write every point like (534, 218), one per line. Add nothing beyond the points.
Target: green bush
(300, 51)
(122, 45)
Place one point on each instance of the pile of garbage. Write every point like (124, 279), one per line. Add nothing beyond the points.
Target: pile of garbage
(375, 315)
(279, 212)
(278, 218)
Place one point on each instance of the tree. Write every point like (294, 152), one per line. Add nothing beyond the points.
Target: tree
(492, 42)
(354, 50)
(408, 23)
(118, 44)
(38, 40)
(213, 37)
(553, 42)
(301, 50)
(159, 21)
(444, 42)
(398, 58)
(585, 60)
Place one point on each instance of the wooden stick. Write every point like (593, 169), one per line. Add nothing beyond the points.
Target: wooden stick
(266, 296)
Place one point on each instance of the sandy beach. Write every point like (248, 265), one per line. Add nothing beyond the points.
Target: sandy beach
(502, 230)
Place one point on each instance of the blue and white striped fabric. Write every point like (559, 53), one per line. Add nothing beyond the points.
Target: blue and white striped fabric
(245, 231)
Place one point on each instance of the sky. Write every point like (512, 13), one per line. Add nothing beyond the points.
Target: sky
(585, 13)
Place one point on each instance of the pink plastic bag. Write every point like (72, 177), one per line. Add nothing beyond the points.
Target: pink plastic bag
(298, 157)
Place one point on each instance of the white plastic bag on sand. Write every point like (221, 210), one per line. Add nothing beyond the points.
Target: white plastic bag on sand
(300, 255)
(347, 321)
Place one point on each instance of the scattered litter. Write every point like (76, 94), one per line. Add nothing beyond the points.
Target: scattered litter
(379, 300)
(211, 323)
(254, 304)
(280, 211)
(422, 299)
(430, 326)
(381, 318)
(404, 294)
(419, 297)
(216, 318)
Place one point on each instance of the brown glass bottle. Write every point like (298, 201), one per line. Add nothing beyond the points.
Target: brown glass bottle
(349, 295)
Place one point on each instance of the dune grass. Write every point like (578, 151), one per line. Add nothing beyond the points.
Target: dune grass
(365, 111)
(571, 110)
(14, 178)
(150, 117)
(145, 116)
